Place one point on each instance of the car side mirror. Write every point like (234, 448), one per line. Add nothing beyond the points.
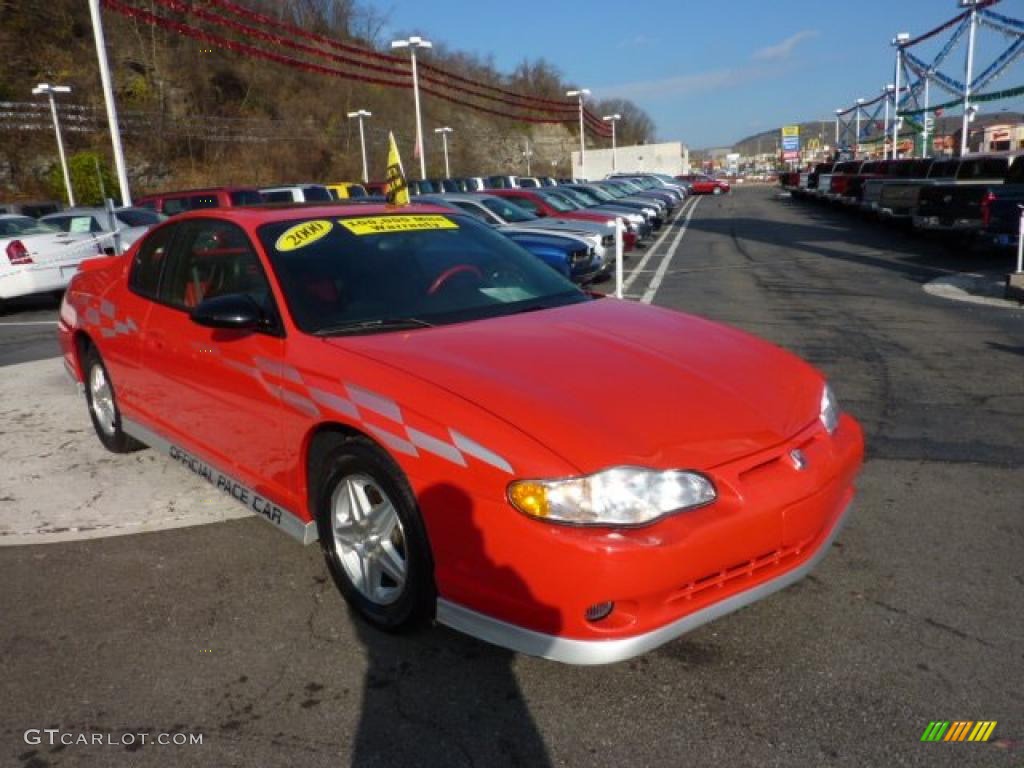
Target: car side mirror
(237, 311)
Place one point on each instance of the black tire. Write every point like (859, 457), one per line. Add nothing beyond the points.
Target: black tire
(109, 430)
(339, 459)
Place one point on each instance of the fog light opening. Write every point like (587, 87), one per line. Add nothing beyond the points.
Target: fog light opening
(599, 611)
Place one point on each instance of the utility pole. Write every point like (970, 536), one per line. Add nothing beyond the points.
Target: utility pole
(108, 98)
(50, 90)
(362, 138)
(856, 139)
(527, 154)
(925, 146)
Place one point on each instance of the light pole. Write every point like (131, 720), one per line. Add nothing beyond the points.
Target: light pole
(613, 119)
(900, 40)
(527, 154)
(444, 141)
(838, 113)
(360, 114)
(412, 44)
(50, 90)
(583, 144)
(108, 98)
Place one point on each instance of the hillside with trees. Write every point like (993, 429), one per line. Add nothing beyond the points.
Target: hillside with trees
(196, 112)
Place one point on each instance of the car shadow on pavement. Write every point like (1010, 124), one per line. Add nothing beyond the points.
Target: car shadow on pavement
(441, 698)
(917, 258)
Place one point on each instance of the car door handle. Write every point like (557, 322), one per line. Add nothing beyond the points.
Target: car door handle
(156, 342)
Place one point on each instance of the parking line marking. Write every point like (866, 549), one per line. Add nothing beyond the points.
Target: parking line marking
(635, 272)
(32, 322)
(652, 289)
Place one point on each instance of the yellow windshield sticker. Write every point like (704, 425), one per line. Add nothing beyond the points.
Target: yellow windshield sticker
(382, 225)
(303, 234)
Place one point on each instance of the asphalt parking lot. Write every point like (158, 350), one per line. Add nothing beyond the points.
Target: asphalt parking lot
(232, 631)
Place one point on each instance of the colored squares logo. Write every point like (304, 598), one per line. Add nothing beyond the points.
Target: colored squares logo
(959, 730)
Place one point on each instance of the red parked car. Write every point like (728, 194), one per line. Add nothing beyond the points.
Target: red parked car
(173, 203)
(541, 203)
(432, 403)
(701, 184)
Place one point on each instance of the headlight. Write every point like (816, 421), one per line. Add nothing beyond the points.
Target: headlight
(829, 410)
(616, 496)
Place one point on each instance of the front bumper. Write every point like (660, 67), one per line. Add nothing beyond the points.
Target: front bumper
(770, 525)
(593, 652)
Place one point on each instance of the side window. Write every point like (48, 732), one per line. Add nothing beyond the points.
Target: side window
(474, 210)
(214, 258)
(526, 203)
(173, 205)
(279, 196)
(202, 201)
(149, 262)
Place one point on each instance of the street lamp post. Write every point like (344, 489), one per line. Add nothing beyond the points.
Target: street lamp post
(444, 142)
(838, 113)
(900, 40)
(50, 90)
(583, 143)
(613, 119)
(527, 154)
(360, 114)
(412, 44)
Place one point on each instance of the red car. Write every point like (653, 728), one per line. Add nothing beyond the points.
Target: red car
(432, 404)
(172, 203)
(705, 185)
(541, 203)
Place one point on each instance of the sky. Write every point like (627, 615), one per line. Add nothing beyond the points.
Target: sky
(709, 73)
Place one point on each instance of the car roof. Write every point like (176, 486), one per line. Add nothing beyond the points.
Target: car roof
(198, 191)
(255, 215)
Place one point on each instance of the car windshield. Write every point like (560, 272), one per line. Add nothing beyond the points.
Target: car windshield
(600, 194)
(575, 196)
(506, 210)
(560, 204)
(589, 197)
(613, 189)
(389, 272)
(23, 225)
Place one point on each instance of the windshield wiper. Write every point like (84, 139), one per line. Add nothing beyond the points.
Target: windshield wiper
(374, 326)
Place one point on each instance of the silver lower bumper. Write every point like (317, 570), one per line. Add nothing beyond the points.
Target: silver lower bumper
(590, 652)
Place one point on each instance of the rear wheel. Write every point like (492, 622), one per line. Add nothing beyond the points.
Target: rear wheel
(102, 402)
(372, 535)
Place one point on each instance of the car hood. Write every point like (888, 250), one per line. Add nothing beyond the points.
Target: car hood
(610, 382)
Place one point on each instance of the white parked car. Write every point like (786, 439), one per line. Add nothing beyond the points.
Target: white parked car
(39, 258)
(297, 193)
(132, 223)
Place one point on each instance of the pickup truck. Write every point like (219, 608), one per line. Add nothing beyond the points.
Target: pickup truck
(854, 192)
(841, 176)
(898, 198)
(898, 172)
(1001, 208)
(955, 206)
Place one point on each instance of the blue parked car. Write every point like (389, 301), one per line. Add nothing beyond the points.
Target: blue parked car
(567, 255)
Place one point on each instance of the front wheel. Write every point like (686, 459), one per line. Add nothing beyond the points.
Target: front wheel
(371, 534)
(102, 402)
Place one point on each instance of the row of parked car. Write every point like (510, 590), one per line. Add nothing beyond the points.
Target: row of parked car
(976, 198)
(569, 223)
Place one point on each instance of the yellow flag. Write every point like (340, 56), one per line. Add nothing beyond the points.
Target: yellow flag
(397, 191)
